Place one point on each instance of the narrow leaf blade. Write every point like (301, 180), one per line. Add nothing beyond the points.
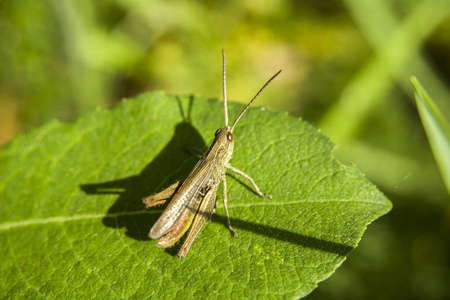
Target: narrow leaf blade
(437, 129)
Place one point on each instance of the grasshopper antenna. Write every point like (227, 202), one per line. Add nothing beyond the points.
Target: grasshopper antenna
(225, 86)
(256, 96)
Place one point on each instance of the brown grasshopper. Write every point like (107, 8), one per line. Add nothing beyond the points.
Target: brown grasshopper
(194, 199)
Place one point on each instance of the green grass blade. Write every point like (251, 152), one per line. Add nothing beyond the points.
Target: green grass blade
(437, 129)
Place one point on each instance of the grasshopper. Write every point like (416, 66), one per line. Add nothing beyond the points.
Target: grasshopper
(194, 199)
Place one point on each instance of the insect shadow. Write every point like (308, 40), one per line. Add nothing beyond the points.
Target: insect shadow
(174, 163)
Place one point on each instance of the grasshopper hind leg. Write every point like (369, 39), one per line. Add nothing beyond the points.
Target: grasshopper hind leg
(161, 197)
(201, 216)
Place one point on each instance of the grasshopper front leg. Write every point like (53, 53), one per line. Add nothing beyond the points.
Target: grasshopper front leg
(237, 171)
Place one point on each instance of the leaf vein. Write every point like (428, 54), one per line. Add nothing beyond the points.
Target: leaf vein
(42, 221)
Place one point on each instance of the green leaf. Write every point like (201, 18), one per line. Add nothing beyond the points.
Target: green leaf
(437, 129)
(73, 223)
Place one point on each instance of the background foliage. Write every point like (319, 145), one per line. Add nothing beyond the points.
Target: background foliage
(346, 68)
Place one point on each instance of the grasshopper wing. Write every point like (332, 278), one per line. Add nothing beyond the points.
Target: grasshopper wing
(204, 213)
(185, 201)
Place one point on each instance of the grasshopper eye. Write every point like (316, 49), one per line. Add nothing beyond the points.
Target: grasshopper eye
(230, 136)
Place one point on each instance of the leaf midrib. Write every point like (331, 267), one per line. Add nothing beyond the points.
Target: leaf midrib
(63, 219)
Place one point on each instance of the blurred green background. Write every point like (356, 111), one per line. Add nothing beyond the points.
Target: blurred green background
(346, 68)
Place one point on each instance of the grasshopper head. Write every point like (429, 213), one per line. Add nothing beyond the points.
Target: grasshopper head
(224, 142)
(224, 136)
